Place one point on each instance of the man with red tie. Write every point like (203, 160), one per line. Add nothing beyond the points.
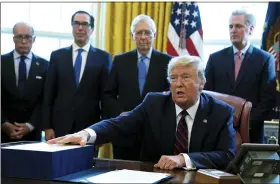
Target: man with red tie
(181, 128)
(245, 71)
(22, 81)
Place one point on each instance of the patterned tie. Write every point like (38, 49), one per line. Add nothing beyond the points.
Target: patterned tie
(142, 72)
(77, 66)
(181, 142)
(21, 73)
(237, 64)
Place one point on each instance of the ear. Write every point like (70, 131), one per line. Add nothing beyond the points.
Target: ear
(34, 39)
(133, 36)
(251, 30)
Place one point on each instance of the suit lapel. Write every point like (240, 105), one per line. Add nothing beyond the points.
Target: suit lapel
(230, 66)
(245, 66)
(199, 128)
(89, 64)
(11, 67)
(68, 65)
(133, 68)
(168, 127)
(151, 71)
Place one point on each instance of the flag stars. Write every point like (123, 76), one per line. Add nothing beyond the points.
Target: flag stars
(178, 11)
(195, 14)
(193, 24)
(187, 12)
(177, 21)
(186, 22)
(189, 3)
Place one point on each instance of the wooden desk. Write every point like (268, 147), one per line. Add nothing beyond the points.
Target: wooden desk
(179, 175)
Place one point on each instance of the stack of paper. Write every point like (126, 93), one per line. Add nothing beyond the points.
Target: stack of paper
(129, 176)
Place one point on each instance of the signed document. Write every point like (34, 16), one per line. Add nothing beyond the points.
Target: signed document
(129, 176)
(42, 146)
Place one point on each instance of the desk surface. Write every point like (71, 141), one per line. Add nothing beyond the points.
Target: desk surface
(179, 175)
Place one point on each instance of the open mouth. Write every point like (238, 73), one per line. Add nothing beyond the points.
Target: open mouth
(180, 93)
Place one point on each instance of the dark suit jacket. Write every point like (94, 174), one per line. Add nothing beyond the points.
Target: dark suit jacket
(212, 144)
(122, 91)
(22, 106)
(67, 108)
(255, 82)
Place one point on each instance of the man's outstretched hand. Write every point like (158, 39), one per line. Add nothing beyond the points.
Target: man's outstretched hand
(80, 138)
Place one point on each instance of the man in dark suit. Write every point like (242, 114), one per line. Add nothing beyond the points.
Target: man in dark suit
(245, 71)
(125, 89)
(184, 128)
(75, 82)
(22, 80)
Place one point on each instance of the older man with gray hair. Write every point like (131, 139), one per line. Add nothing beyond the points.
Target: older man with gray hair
(181, 128)
(133, 75)
(245, 71)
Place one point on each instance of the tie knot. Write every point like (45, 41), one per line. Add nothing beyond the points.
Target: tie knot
(239, 53)
(184, 113)
(80, 50)
(142, 58)
(22, 57)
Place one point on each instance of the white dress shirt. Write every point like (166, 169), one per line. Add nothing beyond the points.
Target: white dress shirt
(243, 51)
(27, 61)
(189, 120)
(75, 49)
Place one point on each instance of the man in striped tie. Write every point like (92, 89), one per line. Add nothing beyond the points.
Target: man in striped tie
(181, 128)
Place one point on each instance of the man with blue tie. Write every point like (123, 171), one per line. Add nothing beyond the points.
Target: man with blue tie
(133, 75)
(245, 71)
(183, 127)
(22, 81)
(75, 82)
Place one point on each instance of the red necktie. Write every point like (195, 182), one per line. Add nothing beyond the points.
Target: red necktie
(237, 63)
(181, 142)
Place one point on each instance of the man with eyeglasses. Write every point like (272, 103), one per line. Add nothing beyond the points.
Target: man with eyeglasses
(75, 82)
(22, 81)
(133, 75)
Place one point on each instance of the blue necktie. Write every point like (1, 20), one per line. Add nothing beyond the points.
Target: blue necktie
(77, 66)
(21, 73)
(142, 72)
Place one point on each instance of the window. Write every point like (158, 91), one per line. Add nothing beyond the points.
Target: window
(51, 22)
(215, 18)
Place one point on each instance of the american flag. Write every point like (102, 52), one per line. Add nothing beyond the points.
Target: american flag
(185, 35)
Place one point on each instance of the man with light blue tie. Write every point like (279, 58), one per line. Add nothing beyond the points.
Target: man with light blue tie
(75, 82)
(22, 81)
(133, 75)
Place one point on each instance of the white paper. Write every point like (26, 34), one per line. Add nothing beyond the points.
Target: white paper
(42, 146)
(128, 176)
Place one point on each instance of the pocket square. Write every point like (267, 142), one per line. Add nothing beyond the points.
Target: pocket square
(38, 77)
(205, 121)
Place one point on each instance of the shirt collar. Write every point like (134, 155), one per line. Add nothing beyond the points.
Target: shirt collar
(149, 54)
(76, 47)
(192, 110)
(243, 51)
(17, 55)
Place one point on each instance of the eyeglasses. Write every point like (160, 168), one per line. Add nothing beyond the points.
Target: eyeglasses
(23, 37)
(145, 33)
(77, 24)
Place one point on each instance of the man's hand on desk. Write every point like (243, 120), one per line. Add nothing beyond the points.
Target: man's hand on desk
(76, 138)
(49, 134)
(170, 162)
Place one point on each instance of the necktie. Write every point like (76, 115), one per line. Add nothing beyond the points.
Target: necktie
(237, 64)
(21, 73)
(142, 72)
(181, 142)
(77, 66)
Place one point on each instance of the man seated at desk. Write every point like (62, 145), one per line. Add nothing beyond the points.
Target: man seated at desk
(181, 128)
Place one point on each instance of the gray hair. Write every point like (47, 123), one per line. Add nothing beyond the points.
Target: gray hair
(23, 23)
(250, 19)
(144, 18)
(187, 60)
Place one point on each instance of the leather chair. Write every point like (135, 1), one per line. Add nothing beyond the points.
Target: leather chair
(241, 115)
